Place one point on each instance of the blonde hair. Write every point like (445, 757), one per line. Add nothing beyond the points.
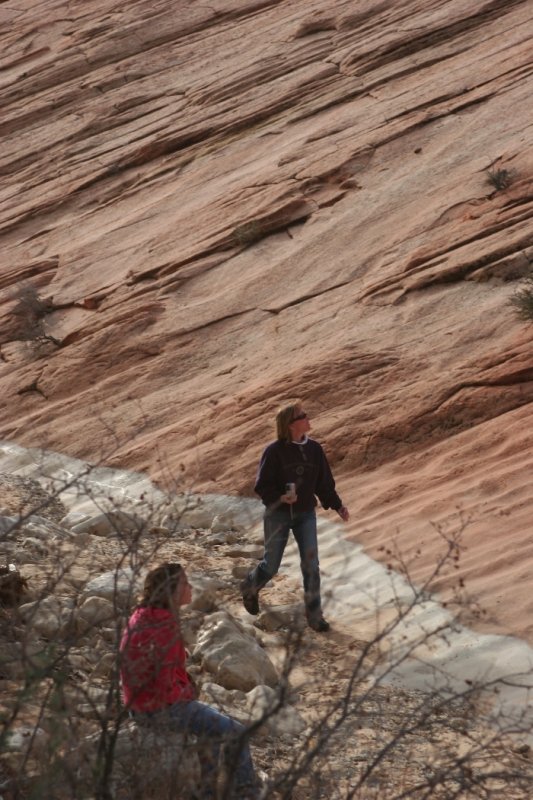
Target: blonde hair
(284, 417)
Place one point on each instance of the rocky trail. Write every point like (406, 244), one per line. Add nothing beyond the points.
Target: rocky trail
(340, 733)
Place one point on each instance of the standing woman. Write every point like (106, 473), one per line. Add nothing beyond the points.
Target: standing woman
(157, 688)
(296, 459)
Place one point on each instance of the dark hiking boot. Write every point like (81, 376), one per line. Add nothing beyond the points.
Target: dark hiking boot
(318, 624)
(250, 599)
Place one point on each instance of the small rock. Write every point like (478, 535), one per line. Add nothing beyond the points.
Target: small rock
(215, 539)
(8, 524)
(104, 667)
(204, 593)
(81, 540)
(246, 551)
(240, 571)
(93, 612)
(288, 616)
(91, 710)
(35, 547)
(21, 738)
(286, 720)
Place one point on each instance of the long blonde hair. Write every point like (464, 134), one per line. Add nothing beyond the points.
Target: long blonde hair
(284, 417)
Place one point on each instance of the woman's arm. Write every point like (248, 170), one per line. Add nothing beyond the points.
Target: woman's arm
(325, 488)
(269, 483)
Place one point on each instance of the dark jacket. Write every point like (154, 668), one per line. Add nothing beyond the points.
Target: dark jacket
(306, 466)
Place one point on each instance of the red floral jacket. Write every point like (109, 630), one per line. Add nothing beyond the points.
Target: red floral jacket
(152, 661)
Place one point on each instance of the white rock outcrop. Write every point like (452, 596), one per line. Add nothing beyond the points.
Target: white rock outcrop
(234, 657)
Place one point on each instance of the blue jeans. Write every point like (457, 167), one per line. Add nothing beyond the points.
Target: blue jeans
(216, 730)
(277, 525)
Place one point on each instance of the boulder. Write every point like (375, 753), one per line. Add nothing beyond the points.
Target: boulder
(119, 586)
(262, 700)
(12, 664)
(74, 518)
(34, 548)
(50, 617)
(94, 611)
(204, 593)
(18, 659)
(147, 762)
(43, 526)
(7, 525)
(111, 523)
(231, 702)
(233, 656)
(104, 667)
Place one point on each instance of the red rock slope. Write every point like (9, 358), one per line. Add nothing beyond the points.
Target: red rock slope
(220, 205)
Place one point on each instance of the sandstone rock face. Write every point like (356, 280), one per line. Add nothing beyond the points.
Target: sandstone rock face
(212, 207)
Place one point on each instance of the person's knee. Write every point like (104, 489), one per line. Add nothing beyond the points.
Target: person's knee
(238, 728)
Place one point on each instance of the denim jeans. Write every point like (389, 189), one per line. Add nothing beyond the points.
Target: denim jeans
(216, 730)
(277, 525)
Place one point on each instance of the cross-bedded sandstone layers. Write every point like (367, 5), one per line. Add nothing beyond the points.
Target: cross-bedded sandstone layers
(220, 205)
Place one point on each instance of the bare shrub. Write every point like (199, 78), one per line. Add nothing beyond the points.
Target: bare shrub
(30, 311)
(363, 738)
(248, 233)
(522, 300)
(499, 179)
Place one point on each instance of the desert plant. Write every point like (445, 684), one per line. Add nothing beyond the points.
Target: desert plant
(248, 233)
(522, 300)
(30, 310)
(499, 179)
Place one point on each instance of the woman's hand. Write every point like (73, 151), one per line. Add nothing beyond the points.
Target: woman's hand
(343, 513)
(289, 498)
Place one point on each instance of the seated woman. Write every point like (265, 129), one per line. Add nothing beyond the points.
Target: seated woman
(157, 688)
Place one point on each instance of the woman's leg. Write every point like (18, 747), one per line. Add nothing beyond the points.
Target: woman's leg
(276, 527)
(216, 730)
(305, 533)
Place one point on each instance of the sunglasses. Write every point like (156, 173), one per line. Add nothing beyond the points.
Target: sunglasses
(303, 415)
